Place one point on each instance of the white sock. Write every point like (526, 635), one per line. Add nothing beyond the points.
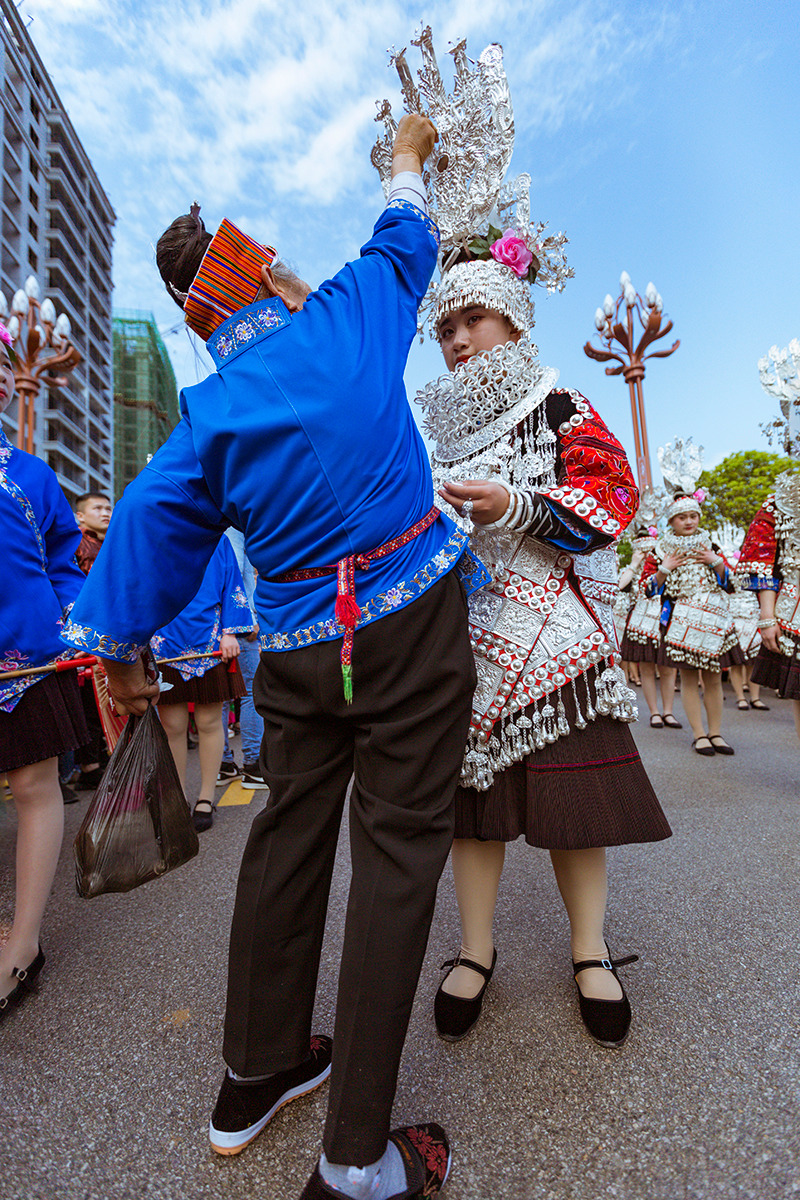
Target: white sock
(378, 1181)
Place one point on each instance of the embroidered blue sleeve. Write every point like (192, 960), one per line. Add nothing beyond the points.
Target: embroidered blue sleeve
(762, 583)
(236, 616)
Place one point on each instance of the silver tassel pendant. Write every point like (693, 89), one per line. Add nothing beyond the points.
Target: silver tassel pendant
(525, 725)
(602, 698)
(562, 723)
(580, 722)
(548, 715)
(538, 734)
(591, 715)
(493, 754)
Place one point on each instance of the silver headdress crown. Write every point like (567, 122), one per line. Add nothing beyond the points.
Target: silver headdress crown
(681, 465)
(779, 373)
(466, 183)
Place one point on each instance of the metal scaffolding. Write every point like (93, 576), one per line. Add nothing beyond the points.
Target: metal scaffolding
(145, 394)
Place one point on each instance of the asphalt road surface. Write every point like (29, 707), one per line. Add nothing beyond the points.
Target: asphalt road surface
(109, 1073)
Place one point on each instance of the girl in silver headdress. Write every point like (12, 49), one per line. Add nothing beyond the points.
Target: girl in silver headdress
(691, 578)
(545, 488)
(770, 566)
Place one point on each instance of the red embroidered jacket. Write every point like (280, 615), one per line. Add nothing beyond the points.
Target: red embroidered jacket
(595, 479)
(760, 548)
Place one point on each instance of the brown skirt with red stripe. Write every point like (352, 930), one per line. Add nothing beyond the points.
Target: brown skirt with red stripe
(779, 672)
(46, 721)
(585, 790)
(219, 684)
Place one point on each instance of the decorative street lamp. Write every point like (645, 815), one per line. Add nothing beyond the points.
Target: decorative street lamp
(608, 324)
(34, 328)
(779, 372)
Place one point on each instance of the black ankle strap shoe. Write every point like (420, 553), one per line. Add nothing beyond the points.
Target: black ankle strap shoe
(608, 1021)
(454, 1015)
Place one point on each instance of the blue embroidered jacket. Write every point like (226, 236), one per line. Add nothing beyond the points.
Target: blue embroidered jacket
(219, 607)
(305, 441)
(41, 578)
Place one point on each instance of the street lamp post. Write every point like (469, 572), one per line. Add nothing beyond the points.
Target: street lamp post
(34, 328)
(617, 337)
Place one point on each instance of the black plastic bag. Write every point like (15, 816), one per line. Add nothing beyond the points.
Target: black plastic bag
(138, 825)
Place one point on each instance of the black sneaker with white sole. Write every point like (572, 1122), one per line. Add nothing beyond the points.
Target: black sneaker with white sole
(227, 772)
(244, 1108)
(252, 777)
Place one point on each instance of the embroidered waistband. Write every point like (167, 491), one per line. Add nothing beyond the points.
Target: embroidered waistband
(347, 611)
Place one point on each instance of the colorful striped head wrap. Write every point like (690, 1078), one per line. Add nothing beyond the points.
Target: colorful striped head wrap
(228, 279)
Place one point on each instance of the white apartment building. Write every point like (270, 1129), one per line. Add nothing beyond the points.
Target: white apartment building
(57, 225)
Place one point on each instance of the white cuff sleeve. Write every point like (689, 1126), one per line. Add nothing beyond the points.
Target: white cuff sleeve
(408, 185)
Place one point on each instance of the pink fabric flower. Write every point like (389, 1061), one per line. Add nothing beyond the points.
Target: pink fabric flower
(653, 531)
(511, 250)
(5, 336)
(699, 495)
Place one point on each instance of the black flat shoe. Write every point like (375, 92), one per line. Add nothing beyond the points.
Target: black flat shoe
(720, 745)
(707, 751)
(608, 1021)
(759, 706)
(455, 1015)
(671, 722)
(26, 982)
(203, 820)
(656, 721)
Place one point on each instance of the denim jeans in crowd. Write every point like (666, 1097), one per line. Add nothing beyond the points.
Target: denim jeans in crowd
(250, 723)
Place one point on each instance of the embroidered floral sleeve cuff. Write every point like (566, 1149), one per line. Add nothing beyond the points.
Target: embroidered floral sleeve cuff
(101, 644)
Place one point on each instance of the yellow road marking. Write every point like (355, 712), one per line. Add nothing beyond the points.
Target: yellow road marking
(236, 794)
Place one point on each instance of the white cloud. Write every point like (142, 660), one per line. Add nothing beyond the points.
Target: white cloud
(264, 111)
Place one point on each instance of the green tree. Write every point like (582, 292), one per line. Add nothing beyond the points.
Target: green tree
(737, 487)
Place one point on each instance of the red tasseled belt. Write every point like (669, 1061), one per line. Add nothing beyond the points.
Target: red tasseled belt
(347, 611)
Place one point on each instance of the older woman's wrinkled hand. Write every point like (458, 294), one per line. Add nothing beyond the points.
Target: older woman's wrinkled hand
(415, 138)
(130, 687)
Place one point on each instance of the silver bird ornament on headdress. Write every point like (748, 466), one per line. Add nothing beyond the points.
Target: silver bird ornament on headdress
(681, 464)
(779, 374)
(470, 199)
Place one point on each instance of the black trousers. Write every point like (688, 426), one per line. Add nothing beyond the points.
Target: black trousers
(402, 739)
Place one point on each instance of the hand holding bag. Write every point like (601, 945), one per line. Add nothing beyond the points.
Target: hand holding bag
(138, 825)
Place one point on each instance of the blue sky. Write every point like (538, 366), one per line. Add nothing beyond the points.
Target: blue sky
(663, 138)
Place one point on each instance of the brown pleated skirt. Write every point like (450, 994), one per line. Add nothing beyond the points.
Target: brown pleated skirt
(779, 672)
(46, 721)
(216, 686)
(585, 790)
(633, 651)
